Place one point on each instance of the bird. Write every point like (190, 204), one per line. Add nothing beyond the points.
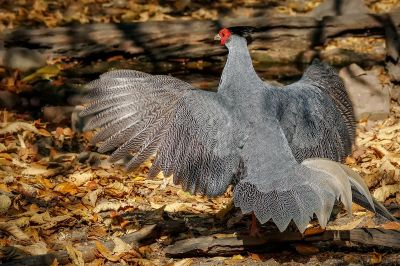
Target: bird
(261, 139)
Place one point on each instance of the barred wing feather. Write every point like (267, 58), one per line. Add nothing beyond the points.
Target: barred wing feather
(317, 115)
(194, 134)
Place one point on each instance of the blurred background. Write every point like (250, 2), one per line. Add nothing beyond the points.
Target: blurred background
(57, 45)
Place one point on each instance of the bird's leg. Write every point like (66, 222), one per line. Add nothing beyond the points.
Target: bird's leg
(254, 231)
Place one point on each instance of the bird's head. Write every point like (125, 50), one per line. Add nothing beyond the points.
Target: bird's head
(224, 35)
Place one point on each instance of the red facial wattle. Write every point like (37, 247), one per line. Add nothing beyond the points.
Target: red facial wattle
(224, 34)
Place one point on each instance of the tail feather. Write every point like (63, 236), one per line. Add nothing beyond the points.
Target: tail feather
(377, 207)
(340, 182)
(300, 192)
(359, 186)
(362, 197)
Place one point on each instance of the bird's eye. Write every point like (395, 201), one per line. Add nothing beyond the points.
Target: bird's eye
(222, 34)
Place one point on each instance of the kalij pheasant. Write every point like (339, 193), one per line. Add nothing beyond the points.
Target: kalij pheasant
(247, 134)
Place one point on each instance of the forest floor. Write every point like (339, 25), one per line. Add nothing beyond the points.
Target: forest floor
(58, 194)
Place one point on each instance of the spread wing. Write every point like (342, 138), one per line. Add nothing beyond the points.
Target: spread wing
(194, 134)
(316, 115)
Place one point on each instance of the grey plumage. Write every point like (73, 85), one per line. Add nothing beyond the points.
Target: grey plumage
(196, 134)
(250, 134)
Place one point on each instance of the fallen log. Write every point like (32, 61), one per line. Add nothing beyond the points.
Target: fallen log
(89, 249)
(278, 41)
(226, 246)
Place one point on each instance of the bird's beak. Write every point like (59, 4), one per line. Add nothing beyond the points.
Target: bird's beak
(217, 37)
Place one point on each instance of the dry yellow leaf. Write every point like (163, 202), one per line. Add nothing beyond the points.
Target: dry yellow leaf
(67, 131)
(38, 248)
(375, 258)
(120, 246)
(5, 162)
(66, 188)
(12, 229)
(117, 189)
(4, 187)
(184, 262)
(237, 257)
(44, 182)
(382, 193)
(75, 255)
(107, 206)
(5, 203)
(107, 253)
(91, 197)
(2, 147)
(45, 72)
(79, 178)
(44, 132)
(7, 128)
(42, 171)
(6, 156)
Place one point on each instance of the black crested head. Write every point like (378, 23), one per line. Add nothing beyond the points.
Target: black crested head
(244, 31)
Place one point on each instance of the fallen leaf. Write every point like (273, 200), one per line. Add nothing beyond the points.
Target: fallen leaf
(41, 218)
(91, 197)
(46, 72)
(107, 206)
(382, 193)
(42, 171)
(97, 262)
(375, 258)
(5, 203)
(184, 262)
(255, 257)
(38, 248)
(67, 132)
(237, 257)
(305, 249)
(6, 156)
(12, 229)
(391, 226)
(313, 231)
(55, 262)
(351, 259)
(66, 188)
(120, 246)
(97, 231)
(5, 162)
(106, 253)
(75, 255)
(2, 147)
(44, 132)
(117, 189)
(7, 128)
(79, 178)
(43, 182)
